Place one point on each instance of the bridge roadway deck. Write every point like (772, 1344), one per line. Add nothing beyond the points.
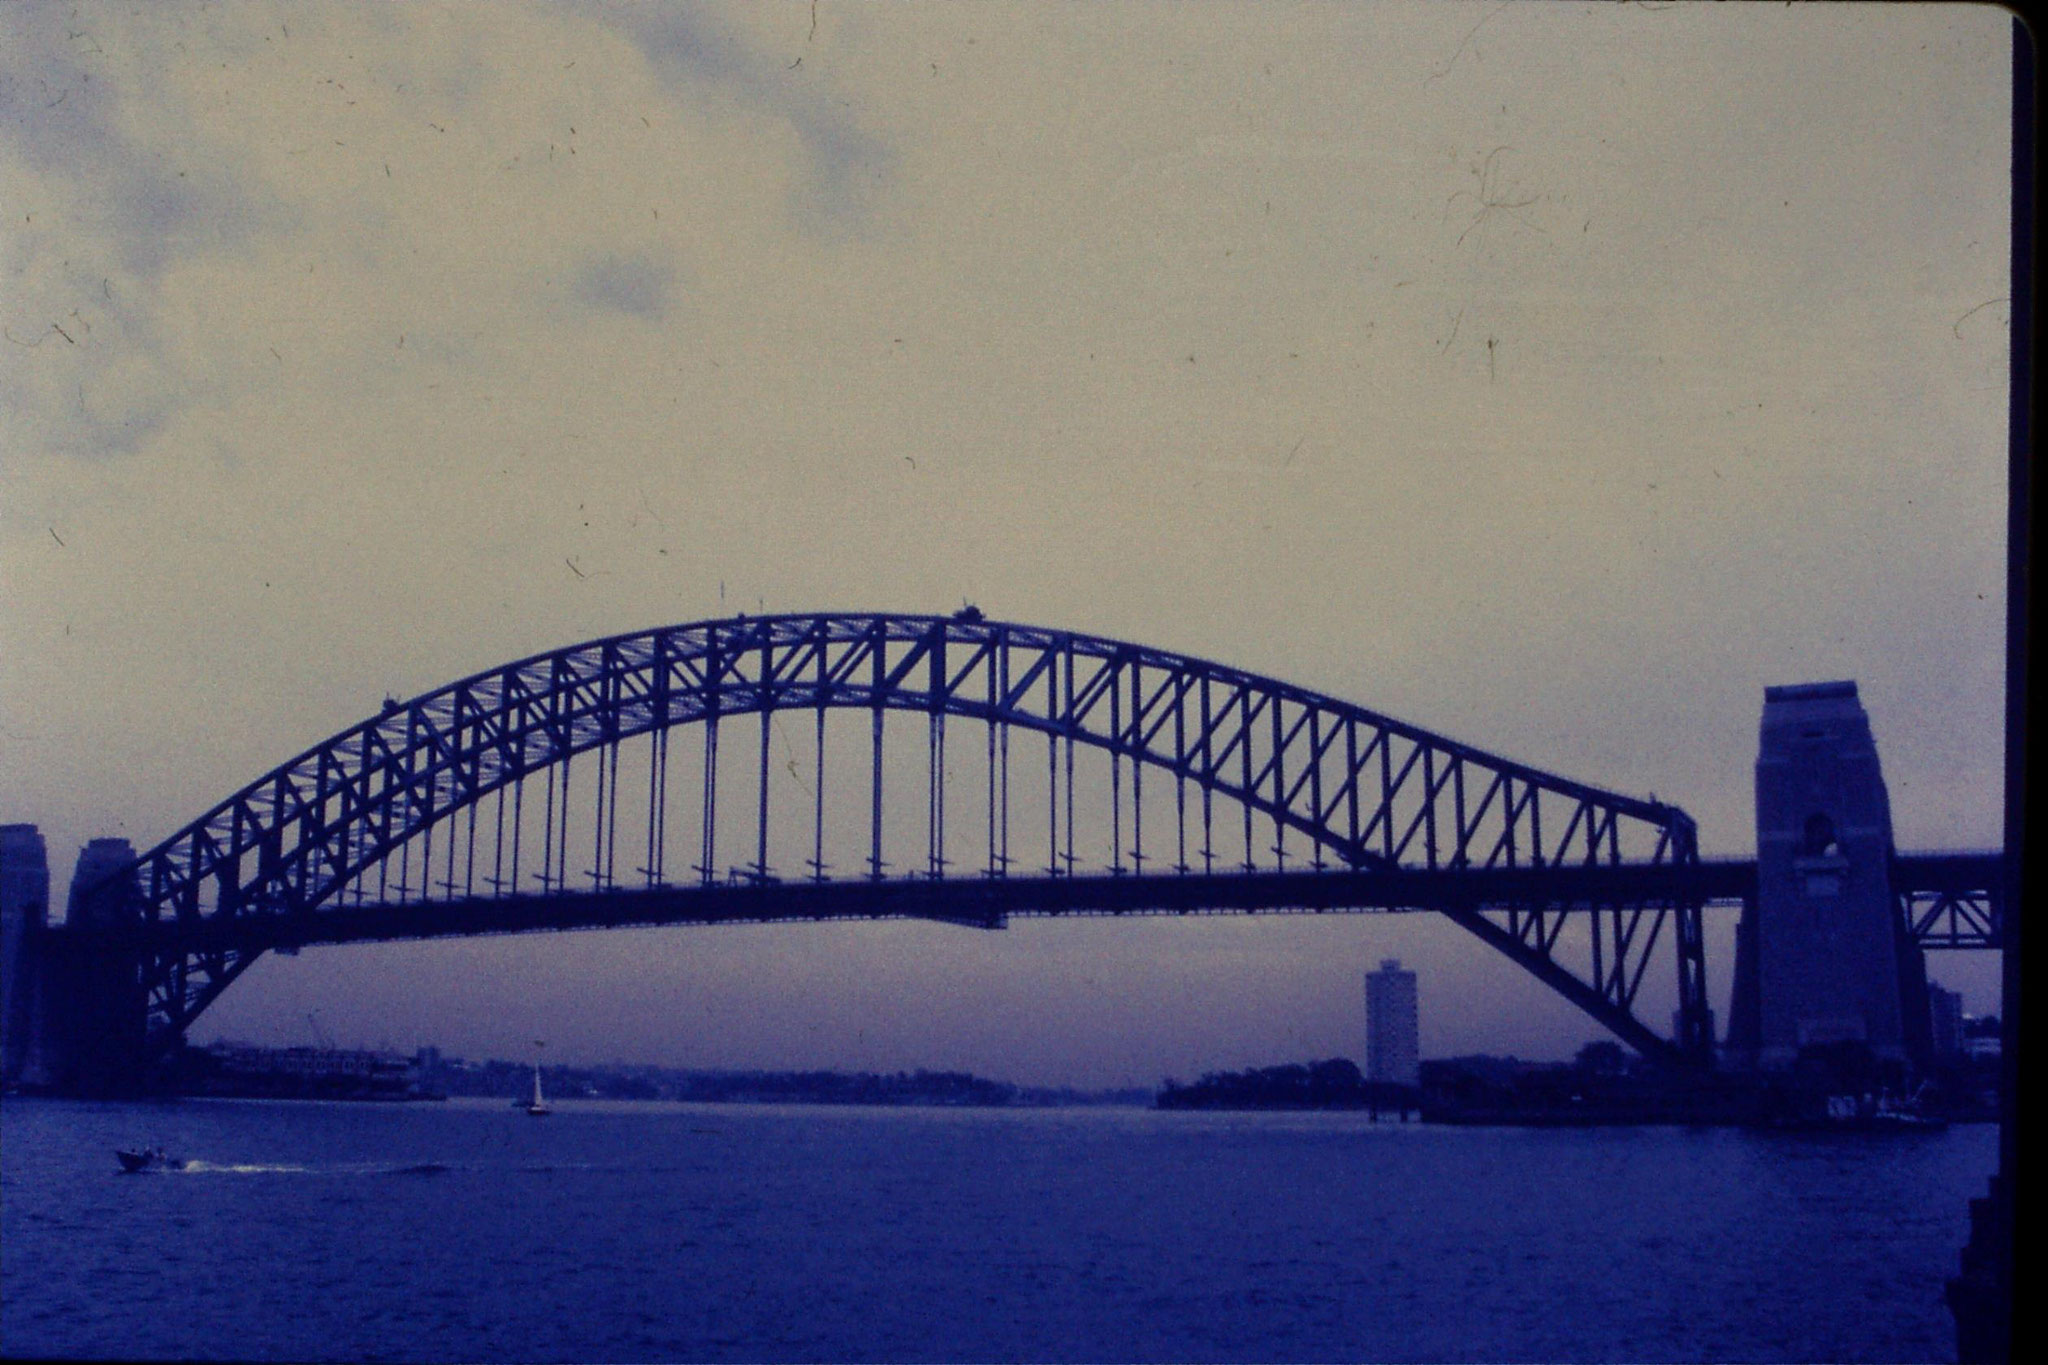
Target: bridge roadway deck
(987, 902)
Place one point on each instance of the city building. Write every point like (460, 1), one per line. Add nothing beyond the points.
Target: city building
(1945, 1016)
(1393, 1047)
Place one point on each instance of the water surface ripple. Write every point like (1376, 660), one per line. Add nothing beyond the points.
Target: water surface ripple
(468, 1231)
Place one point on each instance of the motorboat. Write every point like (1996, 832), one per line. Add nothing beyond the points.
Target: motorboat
(134, 1161)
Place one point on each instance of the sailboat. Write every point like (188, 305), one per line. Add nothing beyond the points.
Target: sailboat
(537, 1107)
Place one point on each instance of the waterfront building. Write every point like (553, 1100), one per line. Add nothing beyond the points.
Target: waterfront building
(1393, 1047)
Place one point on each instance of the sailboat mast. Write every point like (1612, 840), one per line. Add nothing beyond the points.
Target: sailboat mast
(537, 1105)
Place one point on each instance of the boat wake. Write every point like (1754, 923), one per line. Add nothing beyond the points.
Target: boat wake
(169, 1166)
(294, 1168)
(239, 1168)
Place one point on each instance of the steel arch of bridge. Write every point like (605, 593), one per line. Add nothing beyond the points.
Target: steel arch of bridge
(1369, 793)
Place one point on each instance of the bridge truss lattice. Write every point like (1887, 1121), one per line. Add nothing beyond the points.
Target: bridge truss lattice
(1186, 769)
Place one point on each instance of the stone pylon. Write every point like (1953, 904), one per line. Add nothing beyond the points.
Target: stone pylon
(24, 914)
(1822, 955)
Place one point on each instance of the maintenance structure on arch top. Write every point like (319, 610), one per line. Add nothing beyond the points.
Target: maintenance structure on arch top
(1098, 778)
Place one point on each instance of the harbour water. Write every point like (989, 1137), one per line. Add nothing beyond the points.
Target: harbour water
(624, 1231)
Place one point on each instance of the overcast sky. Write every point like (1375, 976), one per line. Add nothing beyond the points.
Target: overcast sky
(1551, 376)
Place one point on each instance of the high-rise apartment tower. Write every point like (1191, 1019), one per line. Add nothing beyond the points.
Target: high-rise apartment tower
(1392, 1037)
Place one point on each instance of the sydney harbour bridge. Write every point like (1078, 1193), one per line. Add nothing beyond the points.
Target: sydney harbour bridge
(870, 765)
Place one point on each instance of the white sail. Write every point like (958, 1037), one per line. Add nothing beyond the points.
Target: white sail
(538, 1105)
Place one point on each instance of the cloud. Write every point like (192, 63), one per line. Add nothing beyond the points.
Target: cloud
(61, 112)
(845, 165)
(83, 370)
(106, 206)
(635, 285)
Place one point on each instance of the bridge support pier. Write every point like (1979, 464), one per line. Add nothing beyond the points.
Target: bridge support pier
(104, 1008)
(1821, 955)
(92, 1022)
(79, 1013)
(24, 916)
